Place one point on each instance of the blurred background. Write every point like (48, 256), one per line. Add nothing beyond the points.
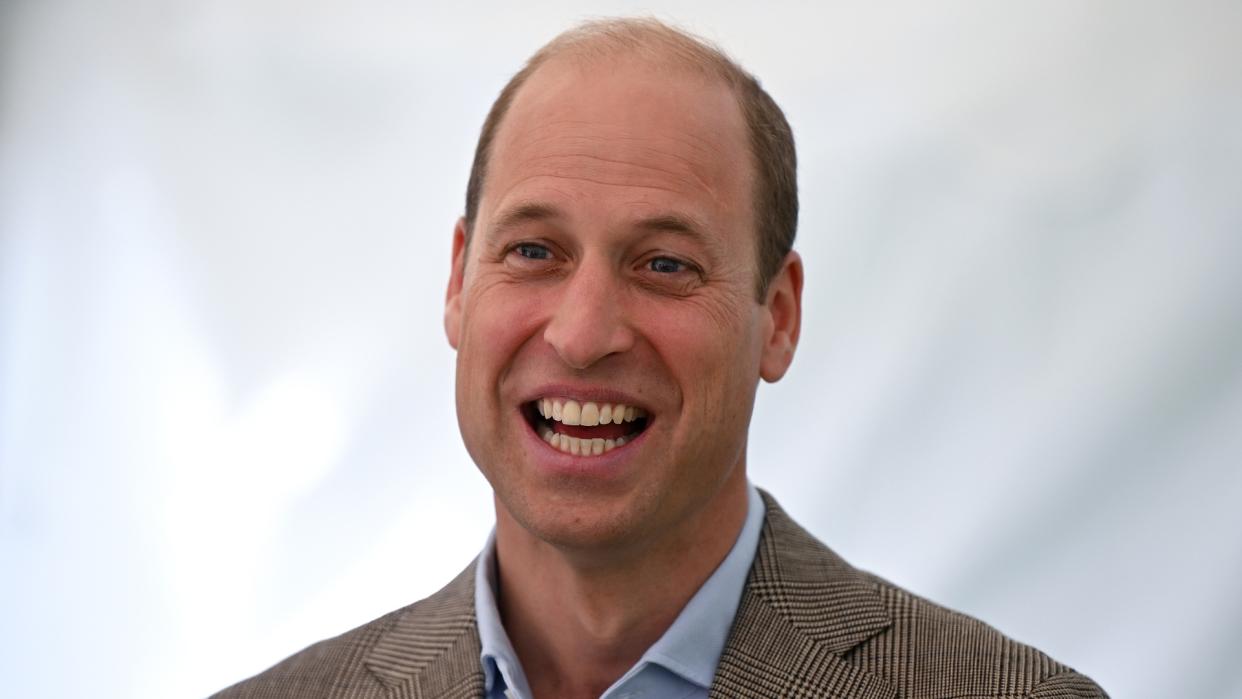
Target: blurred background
(226, 414)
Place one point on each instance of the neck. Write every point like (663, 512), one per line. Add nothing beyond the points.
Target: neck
(578, 620)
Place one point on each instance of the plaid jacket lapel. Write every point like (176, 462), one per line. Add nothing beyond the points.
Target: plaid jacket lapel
(432, 652)
(802, 609)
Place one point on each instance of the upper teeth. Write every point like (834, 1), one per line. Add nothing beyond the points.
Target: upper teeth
(588, 414)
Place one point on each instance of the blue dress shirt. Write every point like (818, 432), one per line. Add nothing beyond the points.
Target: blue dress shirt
(680, 665)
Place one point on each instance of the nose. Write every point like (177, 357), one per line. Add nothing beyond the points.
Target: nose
(588, 320)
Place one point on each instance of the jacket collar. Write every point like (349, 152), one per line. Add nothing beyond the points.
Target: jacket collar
(802, 609)
(432, 648)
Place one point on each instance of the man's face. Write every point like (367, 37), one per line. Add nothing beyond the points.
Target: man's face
(612, 263)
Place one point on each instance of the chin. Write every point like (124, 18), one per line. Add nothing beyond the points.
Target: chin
(582, 521)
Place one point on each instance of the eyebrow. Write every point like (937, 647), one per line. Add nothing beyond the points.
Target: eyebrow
(674, 223)
(529, 212)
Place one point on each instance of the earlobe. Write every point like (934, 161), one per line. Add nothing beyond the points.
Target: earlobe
(784, 306)
(452, 298)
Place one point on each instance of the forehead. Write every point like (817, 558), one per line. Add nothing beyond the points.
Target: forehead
(623, 135)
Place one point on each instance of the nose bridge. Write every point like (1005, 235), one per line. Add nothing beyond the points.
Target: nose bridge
(589, 321)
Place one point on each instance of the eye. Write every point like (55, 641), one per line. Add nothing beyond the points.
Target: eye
(531, 251)
(666, 265)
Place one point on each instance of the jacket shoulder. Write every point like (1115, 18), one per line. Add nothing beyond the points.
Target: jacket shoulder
(933, 651)
(329, 668)
(920, 648)
(365, 662)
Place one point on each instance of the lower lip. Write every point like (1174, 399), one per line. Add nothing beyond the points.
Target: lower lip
(606, 464)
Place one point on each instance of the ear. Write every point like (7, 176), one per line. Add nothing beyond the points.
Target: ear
(784, 308)
(452, 298)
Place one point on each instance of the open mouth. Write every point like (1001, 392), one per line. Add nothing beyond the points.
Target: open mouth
(585, 428)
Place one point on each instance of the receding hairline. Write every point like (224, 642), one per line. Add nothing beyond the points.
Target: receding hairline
(640, 38)
(670, 49)
(660, 47)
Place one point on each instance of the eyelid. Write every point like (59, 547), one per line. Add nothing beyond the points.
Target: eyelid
(687, 264)
(517, 245)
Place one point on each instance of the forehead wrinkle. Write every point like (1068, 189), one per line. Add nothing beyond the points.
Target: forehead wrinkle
(612, 172)
(689, 139)
(556, 131)
(660, 172)
(606, 183)
(647, 151)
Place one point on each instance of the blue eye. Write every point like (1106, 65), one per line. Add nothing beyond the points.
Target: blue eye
(666, 265)
(533, 252)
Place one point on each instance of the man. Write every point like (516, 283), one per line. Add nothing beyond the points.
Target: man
(622, 278)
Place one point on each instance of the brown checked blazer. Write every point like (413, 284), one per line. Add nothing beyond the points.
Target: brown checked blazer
(809, 625)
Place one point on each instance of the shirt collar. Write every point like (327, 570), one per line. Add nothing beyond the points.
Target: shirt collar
(500, 663)
(691, 647)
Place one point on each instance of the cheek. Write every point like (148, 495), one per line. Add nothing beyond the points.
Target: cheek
(492, 312)
(713, 352)
(497, 320)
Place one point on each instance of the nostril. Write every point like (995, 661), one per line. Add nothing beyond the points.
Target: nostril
(585, 330)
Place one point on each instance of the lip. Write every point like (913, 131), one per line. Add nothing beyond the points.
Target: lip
(583, 394)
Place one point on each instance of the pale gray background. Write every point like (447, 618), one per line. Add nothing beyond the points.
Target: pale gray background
(226, 421)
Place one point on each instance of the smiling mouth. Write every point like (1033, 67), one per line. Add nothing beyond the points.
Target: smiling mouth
(587, 428)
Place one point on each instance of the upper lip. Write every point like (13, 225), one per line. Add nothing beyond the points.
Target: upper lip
(596, 394)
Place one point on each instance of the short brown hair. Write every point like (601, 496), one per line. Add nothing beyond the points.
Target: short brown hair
(771, 139)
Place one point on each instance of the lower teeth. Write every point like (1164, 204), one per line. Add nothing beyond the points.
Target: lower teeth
(581, 446)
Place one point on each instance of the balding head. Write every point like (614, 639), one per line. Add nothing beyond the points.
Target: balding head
(771, 140)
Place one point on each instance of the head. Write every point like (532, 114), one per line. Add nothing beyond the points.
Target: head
(621, 281)
(772, 153)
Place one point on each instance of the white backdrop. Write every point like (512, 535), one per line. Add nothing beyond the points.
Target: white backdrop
(226, 423)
